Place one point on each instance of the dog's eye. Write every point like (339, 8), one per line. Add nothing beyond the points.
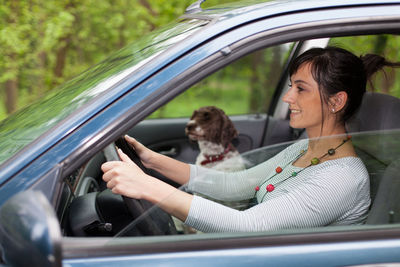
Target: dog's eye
(206, 115)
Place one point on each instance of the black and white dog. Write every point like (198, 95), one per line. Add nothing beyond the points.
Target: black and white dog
(212, 129)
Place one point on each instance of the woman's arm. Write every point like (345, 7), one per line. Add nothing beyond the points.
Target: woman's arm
(335, 197)
(218, 185)
(175, 170)
(234, 186)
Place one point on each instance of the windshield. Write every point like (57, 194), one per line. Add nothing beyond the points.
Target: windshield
(21, 128)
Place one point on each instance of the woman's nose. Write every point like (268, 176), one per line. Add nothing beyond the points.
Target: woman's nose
(288, 97)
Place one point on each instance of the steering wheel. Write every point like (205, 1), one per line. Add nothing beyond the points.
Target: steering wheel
(156, 221)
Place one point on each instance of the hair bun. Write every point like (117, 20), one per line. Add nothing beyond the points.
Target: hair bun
(373, 63)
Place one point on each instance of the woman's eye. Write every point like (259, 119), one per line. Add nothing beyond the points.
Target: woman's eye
(299, 89)
(290, 85)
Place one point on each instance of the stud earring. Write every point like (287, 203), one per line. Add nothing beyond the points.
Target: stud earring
(333, 110)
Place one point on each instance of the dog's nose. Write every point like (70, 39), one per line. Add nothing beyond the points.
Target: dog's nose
(190, 126)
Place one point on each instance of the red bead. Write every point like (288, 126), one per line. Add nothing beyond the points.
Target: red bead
(257, 188)
(270, 188)
(278, 170)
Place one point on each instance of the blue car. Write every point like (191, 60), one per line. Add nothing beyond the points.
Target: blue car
(55, 209)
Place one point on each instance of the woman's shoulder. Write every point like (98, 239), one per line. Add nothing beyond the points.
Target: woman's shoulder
(351, 161)
(345, 167)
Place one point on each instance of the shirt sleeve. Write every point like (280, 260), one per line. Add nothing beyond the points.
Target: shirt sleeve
(322, 199)
(235, 186)
(229, 186)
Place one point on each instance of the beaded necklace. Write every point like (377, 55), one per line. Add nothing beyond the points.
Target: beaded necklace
(314, 161)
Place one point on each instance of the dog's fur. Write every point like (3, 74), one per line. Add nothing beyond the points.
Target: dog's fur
(212, 129)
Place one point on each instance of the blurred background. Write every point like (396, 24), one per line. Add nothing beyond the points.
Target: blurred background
(45, 43)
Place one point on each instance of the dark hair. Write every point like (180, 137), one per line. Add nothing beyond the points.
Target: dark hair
(336, 69)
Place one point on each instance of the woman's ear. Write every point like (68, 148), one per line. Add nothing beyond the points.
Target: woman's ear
(338, 101)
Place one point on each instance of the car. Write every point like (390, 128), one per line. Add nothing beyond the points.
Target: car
(55, 209)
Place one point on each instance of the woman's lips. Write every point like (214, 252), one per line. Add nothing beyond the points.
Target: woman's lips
(294, 112)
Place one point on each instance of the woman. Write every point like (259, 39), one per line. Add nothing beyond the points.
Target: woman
(314, 182)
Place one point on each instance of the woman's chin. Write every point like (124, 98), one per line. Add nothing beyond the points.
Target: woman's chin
(295, 124)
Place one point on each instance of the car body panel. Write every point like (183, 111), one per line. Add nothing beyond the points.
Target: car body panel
(319, 247)
(334, 254)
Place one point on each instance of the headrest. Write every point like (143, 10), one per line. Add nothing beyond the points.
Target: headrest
(377, 112)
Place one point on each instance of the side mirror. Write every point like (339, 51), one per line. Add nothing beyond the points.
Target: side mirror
(29, 231)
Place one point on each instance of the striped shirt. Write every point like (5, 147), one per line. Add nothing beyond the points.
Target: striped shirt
(334, 192)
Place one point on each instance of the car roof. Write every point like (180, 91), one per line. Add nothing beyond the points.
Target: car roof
(264, 8)
(222, 18)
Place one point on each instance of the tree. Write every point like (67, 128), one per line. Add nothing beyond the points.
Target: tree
(45, 43)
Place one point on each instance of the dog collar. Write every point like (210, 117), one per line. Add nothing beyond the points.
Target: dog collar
(218, 157)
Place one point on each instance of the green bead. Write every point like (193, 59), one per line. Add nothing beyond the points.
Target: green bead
(314, 161)
(294, 174)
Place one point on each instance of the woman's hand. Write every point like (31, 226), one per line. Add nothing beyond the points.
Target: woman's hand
(177, 171)
(126, 178)
(145, 154)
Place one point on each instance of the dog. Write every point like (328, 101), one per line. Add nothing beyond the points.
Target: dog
(212, 129)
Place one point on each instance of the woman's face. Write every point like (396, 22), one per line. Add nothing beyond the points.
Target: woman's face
(304, 101)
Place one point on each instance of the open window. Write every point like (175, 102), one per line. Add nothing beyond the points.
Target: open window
(244, 89)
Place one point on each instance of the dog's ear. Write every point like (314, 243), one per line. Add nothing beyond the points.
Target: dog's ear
(194, 114)
(229, 131)
(214, 126)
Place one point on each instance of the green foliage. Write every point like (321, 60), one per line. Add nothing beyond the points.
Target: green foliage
(246, 86)
(45, 43)
(387, 82)
(226, 93)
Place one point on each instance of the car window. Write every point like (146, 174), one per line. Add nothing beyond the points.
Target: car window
(89, 209)
(244, 87)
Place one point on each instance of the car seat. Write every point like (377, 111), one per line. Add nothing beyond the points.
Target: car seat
(377, 112)
(386, 206)
(376, 135)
